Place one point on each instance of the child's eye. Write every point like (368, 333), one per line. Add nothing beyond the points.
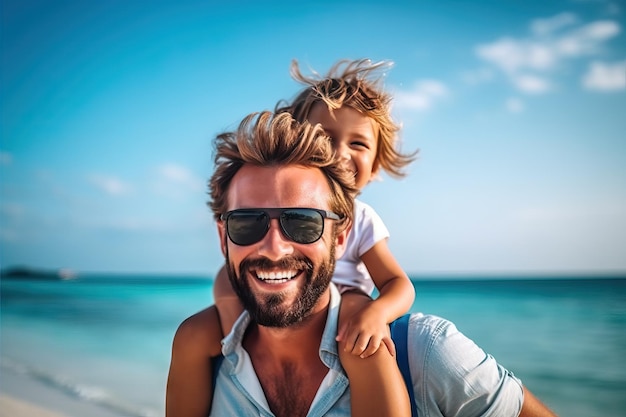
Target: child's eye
(359, 144)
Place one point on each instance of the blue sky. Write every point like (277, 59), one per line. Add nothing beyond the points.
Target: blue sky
(518, 109)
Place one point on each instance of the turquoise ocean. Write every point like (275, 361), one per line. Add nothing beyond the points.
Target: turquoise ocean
(99, 345)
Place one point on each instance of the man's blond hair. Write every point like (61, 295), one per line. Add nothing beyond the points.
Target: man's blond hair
(266, 139)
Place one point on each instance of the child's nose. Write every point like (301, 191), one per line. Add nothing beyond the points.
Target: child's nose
(345, 160)
(344, 153)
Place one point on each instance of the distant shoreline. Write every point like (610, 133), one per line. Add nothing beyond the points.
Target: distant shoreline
(33, 273)
(63, 274)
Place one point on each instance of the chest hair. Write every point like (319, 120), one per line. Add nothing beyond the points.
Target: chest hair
(290, 390)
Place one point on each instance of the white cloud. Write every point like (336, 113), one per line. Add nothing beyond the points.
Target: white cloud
(529, 61)
(552, 24)
(600, 30)
(175, 181)
(586, 40)
(175, 172)
(180, 175)
(422, 97)
(605, 77)
(5, 158)
(110, 185)
(531, 84)
(515, 105)
(512, 55)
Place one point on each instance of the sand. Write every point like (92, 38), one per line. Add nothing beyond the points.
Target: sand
(21, 396)
(12, 407)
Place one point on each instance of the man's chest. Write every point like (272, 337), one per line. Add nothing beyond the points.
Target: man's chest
(290, 389)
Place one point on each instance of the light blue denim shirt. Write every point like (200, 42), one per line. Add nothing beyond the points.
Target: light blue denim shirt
(451, 375)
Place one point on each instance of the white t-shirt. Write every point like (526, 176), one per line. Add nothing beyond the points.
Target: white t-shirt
(367, 230)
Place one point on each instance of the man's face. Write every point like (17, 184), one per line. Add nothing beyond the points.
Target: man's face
(278, 280)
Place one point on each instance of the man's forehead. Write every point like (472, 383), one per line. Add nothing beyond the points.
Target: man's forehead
(279, 186)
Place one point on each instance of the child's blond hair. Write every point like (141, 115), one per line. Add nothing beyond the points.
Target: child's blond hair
(355, 84)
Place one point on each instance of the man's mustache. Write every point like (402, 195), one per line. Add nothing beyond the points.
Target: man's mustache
(289, 262)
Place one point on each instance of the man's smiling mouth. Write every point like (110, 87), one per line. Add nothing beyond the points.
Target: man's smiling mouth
(276, 277)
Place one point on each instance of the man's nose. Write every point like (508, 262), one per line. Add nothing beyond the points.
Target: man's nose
(275, 245)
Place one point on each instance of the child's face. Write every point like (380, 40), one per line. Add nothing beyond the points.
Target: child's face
(354, 138)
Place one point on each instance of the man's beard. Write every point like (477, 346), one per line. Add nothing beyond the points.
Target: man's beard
(271, 310)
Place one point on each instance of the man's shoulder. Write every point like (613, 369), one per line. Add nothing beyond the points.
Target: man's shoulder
(428, 333)
(428, 323)
(436, 344)
(451, 373)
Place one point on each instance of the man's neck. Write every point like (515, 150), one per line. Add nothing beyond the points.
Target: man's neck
(298, 340)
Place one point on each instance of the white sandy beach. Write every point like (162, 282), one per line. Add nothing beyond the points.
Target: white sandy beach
(21, 396)
(12, 407)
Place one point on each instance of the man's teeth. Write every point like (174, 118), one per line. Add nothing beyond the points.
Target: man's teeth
(276, 277)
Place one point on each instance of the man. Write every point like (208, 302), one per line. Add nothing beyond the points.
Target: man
(284, 207)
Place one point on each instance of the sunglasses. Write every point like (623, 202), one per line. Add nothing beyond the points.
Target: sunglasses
(301, 225)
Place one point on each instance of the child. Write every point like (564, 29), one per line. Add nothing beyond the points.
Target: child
(355, 113)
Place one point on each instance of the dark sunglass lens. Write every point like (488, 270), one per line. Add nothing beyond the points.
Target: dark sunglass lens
(302, 225)
(248, 227)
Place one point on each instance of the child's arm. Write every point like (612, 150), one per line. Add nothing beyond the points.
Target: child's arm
(226, 300)
(378, 373)
(189, 390)
(376, 385)
(365, 326)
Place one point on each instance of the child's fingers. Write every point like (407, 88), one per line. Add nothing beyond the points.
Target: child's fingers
(350, 340)
(391, 347)
(341, 334)
(360, 345)
(372, 347)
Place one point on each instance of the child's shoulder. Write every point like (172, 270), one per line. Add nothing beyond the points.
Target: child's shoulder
(368, 225)
(362, 208)
(363, 212)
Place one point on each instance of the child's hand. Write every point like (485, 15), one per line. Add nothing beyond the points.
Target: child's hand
(364, 332)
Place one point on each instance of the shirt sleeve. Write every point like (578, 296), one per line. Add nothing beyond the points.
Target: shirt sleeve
(454, 377)
(369, 227)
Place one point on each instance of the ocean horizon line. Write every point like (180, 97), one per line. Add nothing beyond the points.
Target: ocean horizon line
(21, 272)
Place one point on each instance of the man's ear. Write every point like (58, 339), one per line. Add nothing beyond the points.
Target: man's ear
(221, 231)
(341, 241)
